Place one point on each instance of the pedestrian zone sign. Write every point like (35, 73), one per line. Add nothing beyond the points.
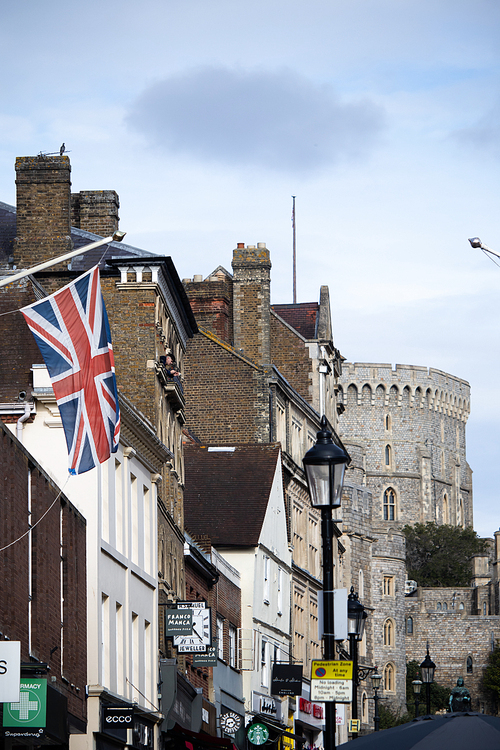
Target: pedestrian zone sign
(331, 681)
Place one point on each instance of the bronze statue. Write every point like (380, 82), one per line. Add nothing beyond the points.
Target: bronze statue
(460, 699)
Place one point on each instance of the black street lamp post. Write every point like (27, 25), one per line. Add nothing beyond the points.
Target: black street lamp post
(356, 617)
(376, 680)
(324, 465)
(427, 671)
(417, 687)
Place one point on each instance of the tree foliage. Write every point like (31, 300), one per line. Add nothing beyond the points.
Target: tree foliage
(491, 675)
(441, 555)
(440, 695)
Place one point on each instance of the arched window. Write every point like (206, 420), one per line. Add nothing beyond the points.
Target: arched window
(388, 455)
(387, 421)
(446, 518)
(484, 608)
(469, 665)
(364, 709)
(361, 585)
(389, 678)
(438, 607)
(445, 607)
(409, 626)
(389, 504)
(388, 633)
(460, 515)
(461, 605)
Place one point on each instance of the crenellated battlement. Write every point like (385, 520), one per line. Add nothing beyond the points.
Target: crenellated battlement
(405, 385)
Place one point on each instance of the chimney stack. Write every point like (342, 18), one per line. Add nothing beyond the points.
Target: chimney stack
(95, 211)
(252, 302)
(43, 209)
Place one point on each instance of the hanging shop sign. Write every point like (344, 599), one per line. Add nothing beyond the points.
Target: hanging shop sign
(31, 708)
(207, 659)
(331, 681)
(200, 637)
(258, 734)
(230, 722)
(178, 622)
(286, 679)
(10, 670)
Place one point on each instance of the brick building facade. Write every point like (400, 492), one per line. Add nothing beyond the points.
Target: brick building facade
(36, 567)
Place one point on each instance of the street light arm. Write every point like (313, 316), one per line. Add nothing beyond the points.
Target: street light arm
(117, 237)
(476, 242)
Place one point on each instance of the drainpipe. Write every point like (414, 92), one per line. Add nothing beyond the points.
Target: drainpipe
(21, 420)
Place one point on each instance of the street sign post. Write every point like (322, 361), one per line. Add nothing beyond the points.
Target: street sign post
(331, 681)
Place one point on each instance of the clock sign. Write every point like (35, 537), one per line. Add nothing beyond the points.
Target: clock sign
(201, 634)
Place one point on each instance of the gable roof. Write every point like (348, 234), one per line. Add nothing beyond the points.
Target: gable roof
(303, 317)
(227, 491)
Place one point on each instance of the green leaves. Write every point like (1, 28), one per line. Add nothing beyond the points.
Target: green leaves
(441, 555)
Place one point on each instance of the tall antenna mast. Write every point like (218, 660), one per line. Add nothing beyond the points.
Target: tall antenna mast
(294, 254)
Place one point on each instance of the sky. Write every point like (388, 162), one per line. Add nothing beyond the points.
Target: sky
(382, 117)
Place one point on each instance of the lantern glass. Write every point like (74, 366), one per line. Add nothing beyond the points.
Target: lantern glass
(417, 686)
(376, 680)
(427, 669)
(325, 484)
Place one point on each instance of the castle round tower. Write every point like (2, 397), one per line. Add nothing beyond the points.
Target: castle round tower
(410, 422)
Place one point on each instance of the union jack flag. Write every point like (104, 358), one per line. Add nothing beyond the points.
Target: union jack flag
(71, 329)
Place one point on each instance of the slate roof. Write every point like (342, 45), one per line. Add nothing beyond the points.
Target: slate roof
(227, 491)
(303, 317)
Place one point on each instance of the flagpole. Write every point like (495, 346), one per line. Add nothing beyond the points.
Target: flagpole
(117, 237)
(294, 255)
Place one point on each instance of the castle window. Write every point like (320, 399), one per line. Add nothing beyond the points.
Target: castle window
(484, 608)
(364, 709)
(461, 605)
(387, 421)
(445, 509)
(388, 633)
(438, 607)
(388, 585)
(388, 455)
(445, 607)
(469, 665)
(389, 676)
(409, 626)
(389, 504)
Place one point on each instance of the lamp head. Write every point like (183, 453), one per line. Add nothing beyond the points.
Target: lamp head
(324, 465)
(118, 236)
(475, 242)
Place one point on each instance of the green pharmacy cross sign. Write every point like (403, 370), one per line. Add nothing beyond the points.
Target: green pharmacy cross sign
(258, 734)
(31, 708)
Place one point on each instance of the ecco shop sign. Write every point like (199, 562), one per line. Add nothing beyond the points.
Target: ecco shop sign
(118, 717)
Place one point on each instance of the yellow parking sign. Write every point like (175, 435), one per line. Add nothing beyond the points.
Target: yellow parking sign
(331, 670)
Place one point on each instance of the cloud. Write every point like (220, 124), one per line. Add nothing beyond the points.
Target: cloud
(279, 120)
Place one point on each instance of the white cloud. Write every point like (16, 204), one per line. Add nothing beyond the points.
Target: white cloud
(278, 119)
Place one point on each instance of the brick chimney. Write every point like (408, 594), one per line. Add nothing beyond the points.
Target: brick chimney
(212, 303)
(43, 209)
(95, 211)
(252, 302)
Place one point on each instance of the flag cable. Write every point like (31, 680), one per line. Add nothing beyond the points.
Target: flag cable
(40, 519)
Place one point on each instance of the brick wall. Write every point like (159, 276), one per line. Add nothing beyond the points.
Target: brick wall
(43, 209)
(290, 355)
(251, 302)
(95, 211)
(227, 398)
(17, 470)
(212, 304)
(19, 349)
